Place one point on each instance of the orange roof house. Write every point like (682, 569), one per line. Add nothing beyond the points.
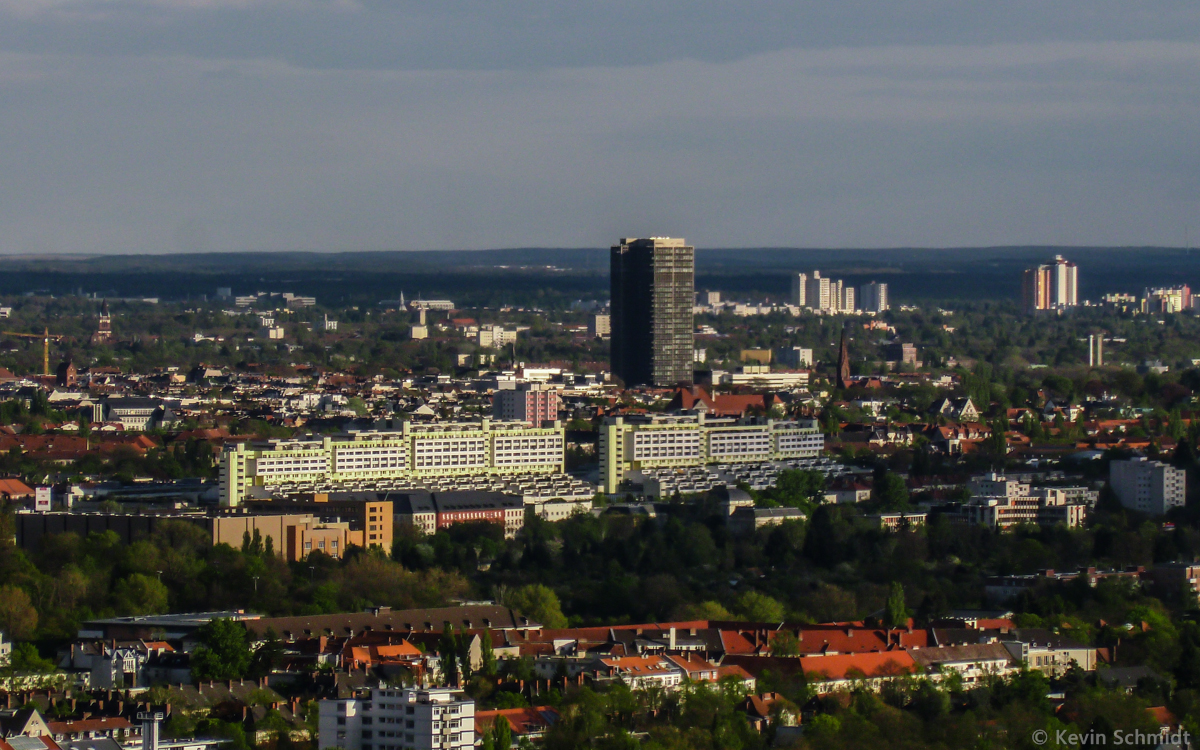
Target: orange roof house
(528, 723)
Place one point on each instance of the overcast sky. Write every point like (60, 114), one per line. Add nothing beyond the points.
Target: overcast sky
(159, 126)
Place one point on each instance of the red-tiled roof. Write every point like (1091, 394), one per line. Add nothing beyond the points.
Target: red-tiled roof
(15, 488)
(523, 721)
(102, 724)
(849, 666)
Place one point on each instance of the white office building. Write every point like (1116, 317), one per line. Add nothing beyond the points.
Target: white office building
(411, 719)
(1148, 486)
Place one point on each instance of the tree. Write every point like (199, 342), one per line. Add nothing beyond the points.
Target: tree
(448, 654)
(502, 731)
(891, 492)
(140, 595)
(487, 654)
(267, 655)
(26, 659)
(223, 653)
(759, 607)
(896, 613)
(540, 604)
(18, 618)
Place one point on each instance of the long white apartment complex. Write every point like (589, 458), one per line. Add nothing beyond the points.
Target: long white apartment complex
(645, 442)
(415, 453)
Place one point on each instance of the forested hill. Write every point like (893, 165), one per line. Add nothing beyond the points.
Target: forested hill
(913, 273)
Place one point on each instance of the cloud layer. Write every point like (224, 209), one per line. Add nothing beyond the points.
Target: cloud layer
(255, 124)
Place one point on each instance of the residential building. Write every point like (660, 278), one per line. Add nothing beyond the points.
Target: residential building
(600, 326)
(799, 296)
(1002, 503)
(709, 298)
(418, 332)
(838, 672)
(495, 337)
(527, 724)
(113, 664)
(271, 333)
(636, 443)
(1039, 649)
(820, 295)
(958, 409)
(430, 450)
(1148, 486)
(534, 403)
(389, 719)
(1053, 286)
(639, 672)
(653, 286)
(873, 297)
(846, 302)
(5, 649)
(1167, 300)
(973, 662)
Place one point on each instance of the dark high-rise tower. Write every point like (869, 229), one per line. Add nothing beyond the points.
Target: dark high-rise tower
(653, 290)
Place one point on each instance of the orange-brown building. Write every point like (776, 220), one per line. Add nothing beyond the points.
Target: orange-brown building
(369, 519)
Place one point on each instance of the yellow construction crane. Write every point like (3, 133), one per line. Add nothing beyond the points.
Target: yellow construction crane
(46, 338)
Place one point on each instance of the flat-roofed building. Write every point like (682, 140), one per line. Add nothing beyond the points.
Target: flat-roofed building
(368, 514)
(390, 719)
(1148, 486)
(653, 287)
(636, 443)
(430, 511)
(417, 451)
(535, 403)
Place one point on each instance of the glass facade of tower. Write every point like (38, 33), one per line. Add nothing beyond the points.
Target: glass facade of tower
(653, 290)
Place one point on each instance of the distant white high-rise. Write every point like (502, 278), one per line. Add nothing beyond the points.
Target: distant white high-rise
(819, 292)
(873, 297)
(800, 289)
(1051, 286)
(1148, 486)
(846, 300)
